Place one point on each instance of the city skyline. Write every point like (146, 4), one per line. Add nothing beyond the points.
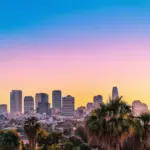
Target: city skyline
(83, 48)
(48, 98)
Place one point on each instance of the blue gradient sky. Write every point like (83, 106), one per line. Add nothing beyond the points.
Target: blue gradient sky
(89, 38)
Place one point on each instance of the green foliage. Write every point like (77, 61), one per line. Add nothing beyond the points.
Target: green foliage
(31, 128)
(55, 147)
(67, 131)
(80, 132)
(76, 141)
(25, 146)
(54, 137)
(111, 124)
(68, 146)
(145, 128)
(42, 139)
(84, 146)
(114, 126)
(9, 140)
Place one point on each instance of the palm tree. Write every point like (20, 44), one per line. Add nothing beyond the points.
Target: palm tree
(111, 124)
(80, 131)
(145, 121)
(42, 139)
(10, 140)
(84, 146)
(31, 128)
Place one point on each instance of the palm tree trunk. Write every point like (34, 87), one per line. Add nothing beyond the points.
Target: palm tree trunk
(30, 144)
(117, 147)
(34, 144)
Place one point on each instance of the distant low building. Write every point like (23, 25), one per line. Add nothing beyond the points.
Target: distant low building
(138, 107)
(80, 112)
(98, 99)
(89, 107)
(3, 108)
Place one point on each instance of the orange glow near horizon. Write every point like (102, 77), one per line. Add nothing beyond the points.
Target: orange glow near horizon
(80, 76)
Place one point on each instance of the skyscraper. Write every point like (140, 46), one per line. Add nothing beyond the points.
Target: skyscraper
(39, 97)
(97, 99)
(56, 99)
(3, 108)
(115, 94)
(28, 104)
(16, 101)
(42, 104)
(43, 107)
(68, 105)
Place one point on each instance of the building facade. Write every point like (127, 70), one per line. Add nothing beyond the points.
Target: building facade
(138, 107)
(89, 107)
(42, 104)
(3, 108)
(28, 105)
(56, 99)
(40, 97)
(115, 93)
(97, 99)
(80, 112)
(68, 106)
(43, 108)
(16, 101)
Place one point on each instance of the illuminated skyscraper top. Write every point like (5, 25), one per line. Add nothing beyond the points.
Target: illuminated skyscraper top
(115, 94)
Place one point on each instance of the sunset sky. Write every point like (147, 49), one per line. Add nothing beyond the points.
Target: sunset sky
(82, 47)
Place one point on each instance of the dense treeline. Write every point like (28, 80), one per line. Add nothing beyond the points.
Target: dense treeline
(111, 126)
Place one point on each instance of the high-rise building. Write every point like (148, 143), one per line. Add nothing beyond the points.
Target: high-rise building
(42, 104)
(43, 107)
(56, 99)
(98, 99)
(3, 108)
(115, 93)
(16, 101)
(68, 106)
(39, 97)
(28, 105)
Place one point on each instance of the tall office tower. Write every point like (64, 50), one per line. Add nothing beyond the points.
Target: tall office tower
(43, 107)
(16, 101)
(56, 99)
(97, 99)
(39, 97)
(28, 105)
(42, 104)
(68, 105)
(115, 94)
(3, 108)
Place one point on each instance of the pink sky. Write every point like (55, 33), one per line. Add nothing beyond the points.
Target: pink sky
(80, 73)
